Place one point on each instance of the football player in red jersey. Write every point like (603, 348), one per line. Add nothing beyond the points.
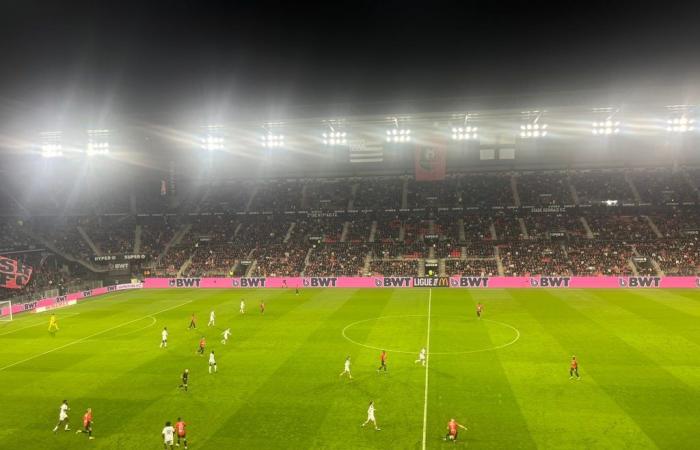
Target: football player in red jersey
(382, 359)
(181, 432)
(573, 370)
(87, 424)
(452, 430)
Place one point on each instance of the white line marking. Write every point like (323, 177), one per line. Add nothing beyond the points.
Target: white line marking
(92, 336)
(427, 366)
(43, 322)
(466, 352)
(128, 333)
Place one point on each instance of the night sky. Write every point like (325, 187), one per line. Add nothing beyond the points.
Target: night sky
(266, 58)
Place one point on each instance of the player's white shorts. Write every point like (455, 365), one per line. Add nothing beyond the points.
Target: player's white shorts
(212, 363)
(62, 417)
(169, 441)
(370, 418)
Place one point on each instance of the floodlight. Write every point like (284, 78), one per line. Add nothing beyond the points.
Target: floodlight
(335, 138)
(398, 135)
(464, 133)
(680, 125)
(271, 140)
(98, 142)
(51, 146)
(213, 138)
(605, 128)
(533, 130)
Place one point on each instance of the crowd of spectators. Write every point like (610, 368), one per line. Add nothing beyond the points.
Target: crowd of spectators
(327, 195)
(620, 227)
(675, 257)
(414, 250)
(279, 260)
(471, 267)
(111, 234)
(277, 195)
(328, 229)
(51, 275)
(541, 226)
(663, 186)
(435, 194)
(594, 187)
(64, 235)
(212, 259)
(485, 191)
(388, 228)
(544, 189)
(226, 197)
(677, 223)
(220, 236)
(593, 257)
(12, 239)
(379, 193)
(340, 259)
(533, 258)
(359, 228)
(507, 228)
(156, 233)
(477, 227)
(393, 267)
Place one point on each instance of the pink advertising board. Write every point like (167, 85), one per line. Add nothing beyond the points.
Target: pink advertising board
(547, 282)
(451, 282)
(54, 302)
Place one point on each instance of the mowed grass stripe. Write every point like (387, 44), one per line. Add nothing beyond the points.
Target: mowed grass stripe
(656, 339)
(661, 405)
(244, 366)
(104, 375)
(210, 395)
(672, 351)
(560, 413)
(95, 361)
(278, 384)
(395, 393)
(285, 386)
(470, 387)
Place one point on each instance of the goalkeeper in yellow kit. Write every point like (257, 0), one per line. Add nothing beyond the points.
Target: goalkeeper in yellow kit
(53, 324)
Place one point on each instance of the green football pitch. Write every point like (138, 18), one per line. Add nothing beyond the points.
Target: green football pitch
(506, 376)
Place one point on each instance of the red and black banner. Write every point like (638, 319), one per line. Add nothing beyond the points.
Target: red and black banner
(13, 274)
(430, 162)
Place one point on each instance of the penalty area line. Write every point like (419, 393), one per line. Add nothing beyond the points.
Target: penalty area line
(43, 322)
(427, 366)
(83, 339)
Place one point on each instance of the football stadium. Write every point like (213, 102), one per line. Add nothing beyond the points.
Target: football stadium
(507, 271)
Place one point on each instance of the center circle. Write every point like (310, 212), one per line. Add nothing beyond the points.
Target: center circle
(449, 335)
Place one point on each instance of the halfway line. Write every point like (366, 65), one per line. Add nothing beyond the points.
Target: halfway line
(427, 365)
(92, 336)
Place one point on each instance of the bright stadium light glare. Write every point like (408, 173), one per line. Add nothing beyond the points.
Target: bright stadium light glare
(51, 146)
(680, 125)
(605, 128)
(533, 130)
(213, 138)
(464, 133)
(98, 142)
(271, 140)
(335, 138)
(398, 135)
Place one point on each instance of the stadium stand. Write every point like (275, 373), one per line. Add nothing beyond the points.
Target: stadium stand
(332, 227)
